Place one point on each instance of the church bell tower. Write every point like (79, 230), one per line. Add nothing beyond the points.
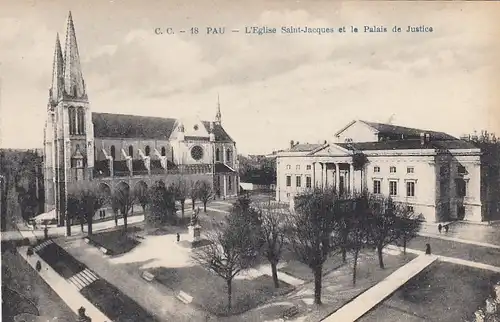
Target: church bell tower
(69, 137)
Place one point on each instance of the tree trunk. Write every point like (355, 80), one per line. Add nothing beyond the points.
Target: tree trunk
(344, 255)
(192, 203)
(68, 224)
(205, 206)
(229, 293)
(274, 269)
(355, 267)
(116, 219)
(81, 224)
(318, 276)
(380, 256)
(182, 208)
(125, 217)
(404, 245)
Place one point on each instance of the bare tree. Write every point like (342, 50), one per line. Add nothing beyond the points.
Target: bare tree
(205, 193)
(228, 253)
(194, 192)
(310, 229)
(124, 199)
(141, 194)
(272, 229)
(181, 190)
(86, 201)
(408, 224)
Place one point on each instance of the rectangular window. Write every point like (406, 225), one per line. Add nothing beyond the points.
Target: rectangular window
(410, 189)
(376, 169)
(308, 182)
(288, 195)
(410, 170)
(297, 181)
(297, 167)
(230, 183)
(461, 186)
(308, 167)
(288, 167)
(288, 181)
(410, 209)
(376, 186)
(392, 169)
(393, 188)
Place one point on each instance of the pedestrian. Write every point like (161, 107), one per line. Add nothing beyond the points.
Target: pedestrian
(440, 227)
(446, 228)
(178, 237)
(38, 266)
(427, 249)
(82, 317)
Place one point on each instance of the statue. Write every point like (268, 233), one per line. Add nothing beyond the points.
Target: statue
(194, 217)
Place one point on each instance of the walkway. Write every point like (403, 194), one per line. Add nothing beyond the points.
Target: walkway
(459, 240)
(376, 294)
(450, 259)
(265, 269)
(482, 235)
(66, 292)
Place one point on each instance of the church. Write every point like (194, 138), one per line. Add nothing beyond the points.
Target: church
(435, 174)
(109, 150)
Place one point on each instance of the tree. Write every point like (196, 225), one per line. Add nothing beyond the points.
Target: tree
(87, 200)
(181, 191)
(141, 194)
(74, 208)
(310, 229)
(162, 204)
(228, 253)
(382, 222)
(359, 226)
(205, 193)
(124, 199)
(194, 192)
(272, 229)
(408, 224)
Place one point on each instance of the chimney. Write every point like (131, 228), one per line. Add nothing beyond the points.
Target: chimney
(291, 144)
(422, 138)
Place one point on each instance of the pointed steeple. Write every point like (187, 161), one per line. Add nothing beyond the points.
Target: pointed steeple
(57, 74)
(74, 85)
(218, 115)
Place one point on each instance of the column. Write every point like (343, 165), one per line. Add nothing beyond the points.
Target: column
(351, 178)
(322, 175)
(337, 177)
(314, 175)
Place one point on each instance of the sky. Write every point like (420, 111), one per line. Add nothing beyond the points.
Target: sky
(273, 88)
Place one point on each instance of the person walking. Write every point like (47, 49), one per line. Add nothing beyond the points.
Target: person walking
(178, 237)
(446, 228)
(427, 249)
(440, 227)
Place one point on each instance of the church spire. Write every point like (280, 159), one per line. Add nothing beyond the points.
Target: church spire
(218, 115)
(57, 73)
(74, 85)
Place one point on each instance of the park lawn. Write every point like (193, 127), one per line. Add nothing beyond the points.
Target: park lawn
(24, 291)
(301, 271)
(443, 291)
(116, 241)
(60, 260)
(210, 293)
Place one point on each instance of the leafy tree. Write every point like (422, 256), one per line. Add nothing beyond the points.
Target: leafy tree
(162, 204)
(181, 190)
(205, 193)
(408, 224)
(194, 192)
(141, 194)
(310, 229)
(123, 199)
(87, 200)
(228, 252)
(272, 229)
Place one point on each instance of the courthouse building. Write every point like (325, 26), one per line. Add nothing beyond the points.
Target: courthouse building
(110, 150)
(437, 175)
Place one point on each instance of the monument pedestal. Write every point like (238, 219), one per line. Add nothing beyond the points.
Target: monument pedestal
(194, 233)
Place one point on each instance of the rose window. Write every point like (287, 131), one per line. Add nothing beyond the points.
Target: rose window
(197, 152)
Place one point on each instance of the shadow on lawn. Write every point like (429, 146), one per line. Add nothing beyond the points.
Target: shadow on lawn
(117, 241)
(211, 294)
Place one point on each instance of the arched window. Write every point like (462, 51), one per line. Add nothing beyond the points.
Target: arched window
(147, 150)
(81, 121)
(228, 155)
(72, 120)
(217, 154)
(163, 152)
(131, 151)
(113, 151)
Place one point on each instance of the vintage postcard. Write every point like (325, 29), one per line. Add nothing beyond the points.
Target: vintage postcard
(250, 161)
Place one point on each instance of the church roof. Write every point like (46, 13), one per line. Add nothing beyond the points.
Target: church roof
(107, 125)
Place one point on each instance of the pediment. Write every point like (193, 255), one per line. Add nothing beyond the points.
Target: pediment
(195, 128)
(330, 149)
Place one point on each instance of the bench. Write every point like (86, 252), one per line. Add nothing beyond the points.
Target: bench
(147, 276)
(184, 297)
(103, 250)
(86, 240)
(290, 312)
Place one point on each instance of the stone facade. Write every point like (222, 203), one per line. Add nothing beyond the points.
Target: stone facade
(438, 176)
(112, 149)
